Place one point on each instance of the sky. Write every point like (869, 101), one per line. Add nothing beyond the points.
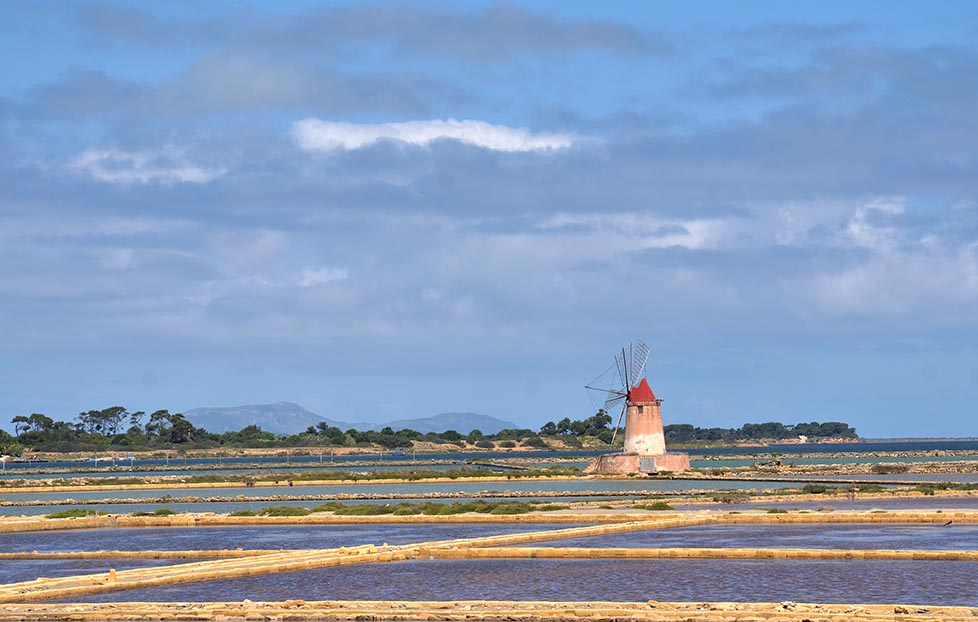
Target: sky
(391, 210)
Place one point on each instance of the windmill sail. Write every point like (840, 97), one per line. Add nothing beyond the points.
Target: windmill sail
(629, 364)
(640, 354)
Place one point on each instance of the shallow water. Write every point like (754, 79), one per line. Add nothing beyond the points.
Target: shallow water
(515, 485)
(808, 461)
(842, 504)
(946, 583)
(916, 537)
(264, 537)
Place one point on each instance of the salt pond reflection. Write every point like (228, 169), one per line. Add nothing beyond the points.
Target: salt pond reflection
(829, 536)
(16, 570)
(947, 583)
(261, 537)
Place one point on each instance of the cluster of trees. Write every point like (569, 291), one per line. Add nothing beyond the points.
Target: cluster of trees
(596, 425)
(599, 426)
(684, 432)
(98, 429)
(116, 428)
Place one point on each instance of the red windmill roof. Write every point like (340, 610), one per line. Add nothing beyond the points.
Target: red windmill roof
(641, 393)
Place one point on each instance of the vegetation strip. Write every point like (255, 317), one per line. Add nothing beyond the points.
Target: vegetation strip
(480, 611)
(441, 478)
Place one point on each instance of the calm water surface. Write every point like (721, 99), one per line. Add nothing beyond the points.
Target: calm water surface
(927, 583)
(17, 570)
(266, 537)
(917, 537)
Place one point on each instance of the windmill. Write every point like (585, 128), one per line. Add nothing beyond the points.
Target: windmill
(614, 385)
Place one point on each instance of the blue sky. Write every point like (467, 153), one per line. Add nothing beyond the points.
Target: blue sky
(392, 210)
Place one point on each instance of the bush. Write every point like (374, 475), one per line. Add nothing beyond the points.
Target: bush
(285, 510)
(159, 512)
(367, 509)
(74, 513)
(730, 497)
(243, 513)
(814, 489)
(535, 442)
(889, 468)
(507, 444)
(776, 511)
(329, 506)
(658, 506)
(485, 444)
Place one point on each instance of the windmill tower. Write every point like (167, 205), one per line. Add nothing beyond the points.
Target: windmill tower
(627, 392)
(643, 422)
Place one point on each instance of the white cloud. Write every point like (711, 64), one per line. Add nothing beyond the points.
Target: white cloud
(637, 231)
(318, 135)
(310, 277)
(864, 230)
(117, 166)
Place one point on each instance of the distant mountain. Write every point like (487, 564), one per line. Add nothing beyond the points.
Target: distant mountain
(460, 422)
(280, 418)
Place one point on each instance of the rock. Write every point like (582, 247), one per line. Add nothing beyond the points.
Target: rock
(900, 610)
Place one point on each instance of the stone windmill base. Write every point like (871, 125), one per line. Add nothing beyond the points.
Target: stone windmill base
(623, 464)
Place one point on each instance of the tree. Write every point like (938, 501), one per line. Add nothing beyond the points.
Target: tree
(21, 424)
(181, 430)
(41, 423)
(158, 425)
(105, 422)
(548, 429)
(136, 419)
(564, 426)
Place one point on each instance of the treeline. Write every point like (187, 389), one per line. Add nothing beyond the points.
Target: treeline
(685, 433)
(117, 429)
(598, 426)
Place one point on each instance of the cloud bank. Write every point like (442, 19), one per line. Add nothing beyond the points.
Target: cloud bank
(319, 135)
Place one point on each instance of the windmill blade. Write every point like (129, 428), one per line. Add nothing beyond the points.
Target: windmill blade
(614, 433)
(640, 354)
(612, 404)
(621, 362)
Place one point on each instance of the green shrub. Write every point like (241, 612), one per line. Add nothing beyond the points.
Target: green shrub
(659, 506)
(366, 509)
(329, 506)
(776, 511)
(890, 468)
(730, 497)
(285, 510)
(159, 512)
(243, 513)
(74, 513)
